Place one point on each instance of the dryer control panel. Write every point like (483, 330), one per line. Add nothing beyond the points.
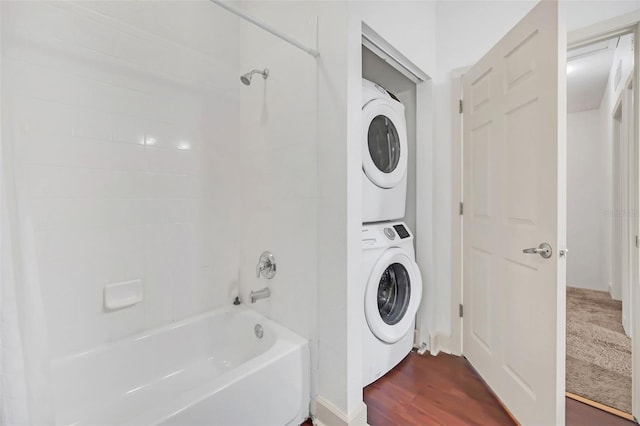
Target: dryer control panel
(402, 231)
(387, 234)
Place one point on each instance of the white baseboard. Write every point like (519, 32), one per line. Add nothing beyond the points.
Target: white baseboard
(439, 342)
(615, 294)
(328, 414)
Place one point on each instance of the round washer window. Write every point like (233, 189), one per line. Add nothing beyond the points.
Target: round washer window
(384, 144)
(394, 292)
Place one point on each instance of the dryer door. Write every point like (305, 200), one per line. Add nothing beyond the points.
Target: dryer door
(392, 296)
(384, 148)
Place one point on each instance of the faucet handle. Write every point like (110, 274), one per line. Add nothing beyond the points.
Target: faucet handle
(266, 265)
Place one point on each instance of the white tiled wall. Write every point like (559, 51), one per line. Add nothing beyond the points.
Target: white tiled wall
(143, 157)
(124, 116)
(278, 130)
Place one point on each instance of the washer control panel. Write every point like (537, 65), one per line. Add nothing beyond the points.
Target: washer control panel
(376, 235)
(390, 233)
(402, 230)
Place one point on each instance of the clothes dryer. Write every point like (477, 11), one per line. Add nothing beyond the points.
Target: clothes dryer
(384, 155)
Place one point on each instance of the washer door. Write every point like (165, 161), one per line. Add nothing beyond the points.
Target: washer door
(392, 296)
(384, 149)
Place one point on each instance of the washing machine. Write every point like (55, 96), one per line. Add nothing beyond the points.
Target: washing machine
(384, 154)
(392, 290)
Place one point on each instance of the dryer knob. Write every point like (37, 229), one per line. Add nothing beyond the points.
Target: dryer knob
(390, 233)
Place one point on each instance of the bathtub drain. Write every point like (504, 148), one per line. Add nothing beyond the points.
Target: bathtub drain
(259, 331)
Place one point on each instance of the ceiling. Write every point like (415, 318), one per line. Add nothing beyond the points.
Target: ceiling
(588, 70)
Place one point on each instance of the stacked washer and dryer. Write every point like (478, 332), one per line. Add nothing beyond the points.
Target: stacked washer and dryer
(390, 276)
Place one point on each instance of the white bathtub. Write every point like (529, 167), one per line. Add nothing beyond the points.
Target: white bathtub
(207, 370)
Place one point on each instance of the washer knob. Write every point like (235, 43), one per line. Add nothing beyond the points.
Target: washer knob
(390, 233)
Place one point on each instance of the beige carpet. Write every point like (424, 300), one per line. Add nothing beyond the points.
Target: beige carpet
(598, 351)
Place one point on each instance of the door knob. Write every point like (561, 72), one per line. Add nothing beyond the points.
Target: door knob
(544, 250)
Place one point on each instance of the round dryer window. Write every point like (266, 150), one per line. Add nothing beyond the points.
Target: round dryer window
(392, 295)
(384, 144)
(384, 147)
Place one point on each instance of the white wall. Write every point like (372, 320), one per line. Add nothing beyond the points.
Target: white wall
(409, 26)
(337, 364)
(588, 195)
(261, 172)
(185, 218)
(278, 147)
(591, 213)
(266, 167)
(623, 57)
(319, 87)
(338, 71)
(463, 37)
(112, 106)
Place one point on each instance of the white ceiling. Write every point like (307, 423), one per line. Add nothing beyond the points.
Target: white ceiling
(587, 74)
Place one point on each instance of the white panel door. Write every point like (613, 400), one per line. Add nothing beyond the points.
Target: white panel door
(515, 198)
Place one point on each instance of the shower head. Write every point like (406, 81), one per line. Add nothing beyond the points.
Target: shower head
(246, 78)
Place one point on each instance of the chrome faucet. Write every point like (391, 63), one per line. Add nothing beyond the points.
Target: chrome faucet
(266, 265)
(263, 293)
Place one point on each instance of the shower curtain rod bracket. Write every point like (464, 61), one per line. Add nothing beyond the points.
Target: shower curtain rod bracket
(225, 5)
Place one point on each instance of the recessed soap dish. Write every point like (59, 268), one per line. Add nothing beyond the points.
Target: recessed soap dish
(122, 295)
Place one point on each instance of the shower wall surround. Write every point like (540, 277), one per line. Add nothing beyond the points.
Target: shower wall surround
(124, 118)
(279, 160)
(145, 158)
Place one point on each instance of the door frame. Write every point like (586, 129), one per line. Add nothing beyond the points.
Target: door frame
(623, 24)
(624, 163)
(457, 210)
(633, 194)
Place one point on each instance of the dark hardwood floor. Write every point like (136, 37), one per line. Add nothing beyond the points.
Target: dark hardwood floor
(579, 414)
(427, 390)
(445, 390)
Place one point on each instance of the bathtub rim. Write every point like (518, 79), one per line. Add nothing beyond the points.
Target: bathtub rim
(280, 330)
(286, 342)
(206, 390)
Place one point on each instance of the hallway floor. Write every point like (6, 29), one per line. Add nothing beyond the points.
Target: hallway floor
(598, 351)
(445, 390)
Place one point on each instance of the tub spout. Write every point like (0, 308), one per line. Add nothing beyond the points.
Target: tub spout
(259, 294)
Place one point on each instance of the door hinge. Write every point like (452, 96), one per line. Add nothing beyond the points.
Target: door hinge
(460, 106)
(461, 311)
(637, 242)
(461, 208)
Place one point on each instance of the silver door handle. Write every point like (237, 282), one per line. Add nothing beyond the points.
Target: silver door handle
(543, 250)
